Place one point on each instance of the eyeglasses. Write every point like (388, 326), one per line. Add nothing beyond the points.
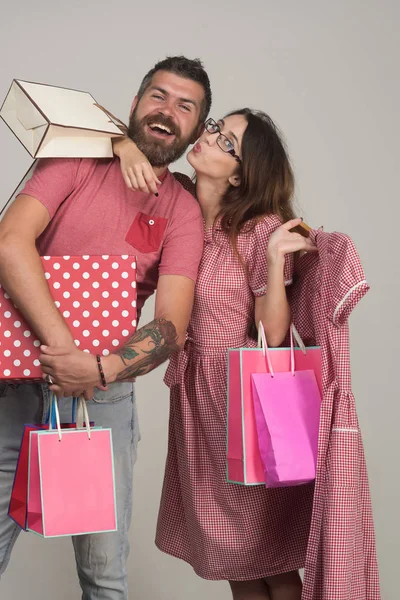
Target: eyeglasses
(222, 141)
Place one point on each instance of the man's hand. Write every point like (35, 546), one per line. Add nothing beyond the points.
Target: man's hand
(75, 372)
(72, 371)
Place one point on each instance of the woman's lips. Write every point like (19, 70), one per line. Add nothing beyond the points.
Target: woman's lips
(197, 147)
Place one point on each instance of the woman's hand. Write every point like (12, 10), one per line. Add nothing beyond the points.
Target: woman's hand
(283, 241)
(136, 170)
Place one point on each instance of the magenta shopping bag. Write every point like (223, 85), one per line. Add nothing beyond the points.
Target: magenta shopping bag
(287, 410)
(71, 487)
(244, 463)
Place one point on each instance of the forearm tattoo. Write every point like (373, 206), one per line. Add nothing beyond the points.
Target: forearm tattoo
(151, 345)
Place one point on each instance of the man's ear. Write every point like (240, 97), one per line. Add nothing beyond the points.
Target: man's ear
(197, 133)
(235, 180)
(134, 104)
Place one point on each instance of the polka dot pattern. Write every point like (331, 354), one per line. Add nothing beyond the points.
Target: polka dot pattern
(87, 292)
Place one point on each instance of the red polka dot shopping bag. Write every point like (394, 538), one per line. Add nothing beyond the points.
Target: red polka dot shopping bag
(96, 296)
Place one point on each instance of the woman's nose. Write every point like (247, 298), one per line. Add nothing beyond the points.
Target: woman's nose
(211, 138)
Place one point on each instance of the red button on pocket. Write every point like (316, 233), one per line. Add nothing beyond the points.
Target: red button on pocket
(146, 232)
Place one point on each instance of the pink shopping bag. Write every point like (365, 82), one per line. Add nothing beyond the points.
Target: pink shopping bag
(18, 507)
(71, 486)
(244, 464)
(287, 410)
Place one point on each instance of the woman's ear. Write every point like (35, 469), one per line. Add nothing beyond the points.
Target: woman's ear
(235, 180)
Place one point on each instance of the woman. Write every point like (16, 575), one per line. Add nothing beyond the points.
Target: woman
(253, 537)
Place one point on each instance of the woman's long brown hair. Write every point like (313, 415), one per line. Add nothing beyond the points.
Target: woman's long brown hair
(267, 180)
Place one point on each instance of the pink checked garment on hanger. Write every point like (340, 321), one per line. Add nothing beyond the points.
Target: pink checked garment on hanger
(341, 559)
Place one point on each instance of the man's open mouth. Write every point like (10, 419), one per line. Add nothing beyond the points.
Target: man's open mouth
(160, 130)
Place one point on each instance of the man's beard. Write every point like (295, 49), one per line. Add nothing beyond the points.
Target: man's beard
(158, 152)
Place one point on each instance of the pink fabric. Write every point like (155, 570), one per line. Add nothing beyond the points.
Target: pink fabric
(93, 212)
(341, 559)
(225, 531)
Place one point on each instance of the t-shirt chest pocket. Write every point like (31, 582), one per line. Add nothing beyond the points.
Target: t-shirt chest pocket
(146, 232)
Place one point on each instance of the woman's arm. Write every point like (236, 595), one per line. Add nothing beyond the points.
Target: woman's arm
(136, 170)
(273, 308)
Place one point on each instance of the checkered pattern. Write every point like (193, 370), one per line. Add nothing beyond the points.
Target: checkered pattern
(225, 531)
(341, 557)
(230, 532)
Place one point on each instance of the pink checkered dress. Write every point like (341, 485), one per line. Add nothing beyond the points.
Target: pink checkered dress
(232, 532)
(341, 556)
(225, 531)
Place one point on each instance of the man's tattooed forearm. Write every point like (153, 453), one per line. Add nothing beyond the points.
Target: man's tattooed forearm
(127, 353)
(153, 343)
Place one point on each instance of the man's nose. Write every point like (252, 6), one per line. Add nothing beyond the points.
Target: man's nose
(168, 108)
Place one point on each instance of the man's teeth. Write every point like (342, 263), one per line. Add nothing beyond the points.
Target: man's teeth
(159, 126)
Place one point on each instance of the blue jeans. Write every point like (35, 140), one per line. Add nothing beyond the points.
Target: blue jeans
(100, 558)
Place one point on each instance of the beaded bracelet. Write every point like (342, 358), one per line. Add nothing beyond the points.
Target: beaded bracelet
(100, 367)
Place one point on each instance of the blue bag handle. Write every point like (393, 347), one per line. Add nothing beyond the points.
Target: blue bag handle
(74, 404)
(51, 413)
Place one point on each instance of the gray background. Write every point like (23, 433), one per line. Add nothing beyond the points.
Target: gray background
(328, 74)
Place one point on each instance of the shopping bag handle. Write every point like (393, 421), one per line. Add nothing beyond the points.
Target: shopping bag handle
(82, 416)
(81, 413)
(262, 342)
(113, 118)
(295, 333)
(50, 419)
(54, 413)
(74, 404)
(51, 415)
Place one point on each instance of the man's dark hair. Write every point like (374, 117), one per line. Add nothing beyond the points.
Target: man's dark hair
(183, 67)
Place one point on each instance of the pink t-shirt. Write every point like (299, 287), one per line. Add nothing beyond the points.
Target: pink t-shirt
(93, 212)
